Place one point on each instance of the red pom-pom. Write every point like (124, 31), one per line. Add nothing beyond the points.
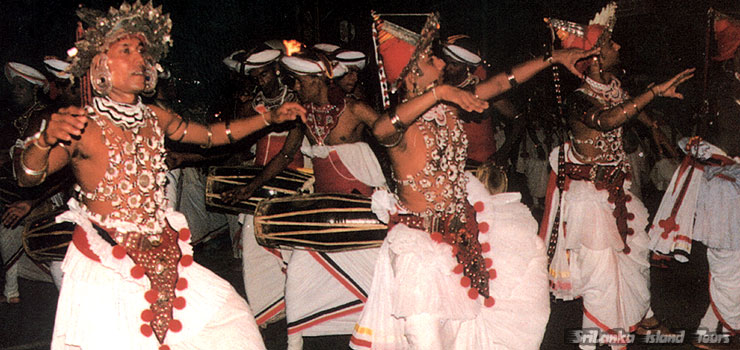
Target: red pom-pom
(485, 247)
(479, 206)
(488, 262)
(483, 227)
(458, 269)
(627, 198)
(182, 283)
(175, 325)
(137, 271)
(179, 303)
(146, 330)
(627, 250)
(436, 236)
(492, 274)
(473, 293)
(184, 234)
(186, 260)
(151, 296)
(465, 281)
(164, 347)
(119, 252)
(630, 216)
(630, 231)
(489, 302)
(147, 315)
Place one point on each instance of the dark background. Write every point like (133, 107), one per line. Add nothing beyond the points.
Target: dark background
(659, 37)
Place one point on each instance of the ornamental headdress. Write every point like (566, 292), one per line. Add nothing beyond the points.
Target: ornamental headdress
(398, 49)
(347, 60)
(103, 29)
(727, 34)
(242, 62)
(597, 33)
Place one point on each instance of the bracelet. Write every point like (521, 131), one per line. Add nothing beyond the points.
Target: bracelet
(210, 139)
(398, 124)
(37, 136)
(394, 143)
(184, 132)
(434, 92)
(177, 127)
(512, 79)
(265, 119)
(227, 130)
(31, 172)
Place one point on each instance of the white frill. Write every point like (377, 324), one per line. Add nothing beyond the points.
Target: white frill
(414, 275)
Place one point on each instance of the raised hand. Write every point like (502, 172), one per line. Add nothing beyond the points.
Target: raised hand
(668, 88)
(466, 100)
(286, 112)
(569, 57)
(65, 124)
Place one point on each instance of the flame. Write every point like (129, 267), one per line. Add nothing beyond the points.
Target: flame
(291, 47)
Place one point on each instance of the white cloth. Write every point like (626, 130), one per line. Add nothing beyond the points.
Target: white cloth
(358, 157)
(192, 203)
(263, 271)
(325, 292)
(100, 303)
(724, 290)
(589, 260)
(415, 288)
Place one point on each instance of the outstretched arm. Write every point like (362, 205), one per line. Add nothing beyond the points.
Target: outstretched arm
(504, 81)
(387, 127)
(608, 118)
(180, 130)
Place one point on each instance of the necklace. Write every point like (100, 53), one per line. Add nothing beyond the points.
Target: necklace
(321, 120)
(123, 115)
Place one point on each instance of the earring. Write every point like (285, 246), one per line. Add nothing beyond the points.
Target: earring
(100, 78)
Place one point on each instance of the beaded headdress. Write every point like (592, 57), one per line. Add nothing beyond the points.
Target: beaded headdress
(595, 34)
(398, 49)
(105, 28)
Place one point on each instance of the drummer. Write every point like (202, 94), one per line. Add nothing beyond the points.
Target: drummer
(318, 299)
(262, 268)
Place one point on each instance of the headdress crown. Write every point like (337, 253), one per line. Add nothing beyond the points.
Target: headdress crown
(104, 28)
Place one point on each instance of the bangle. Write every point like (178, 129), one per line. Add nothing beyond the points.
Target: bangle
(177, 127)
(227, 130)
(398, 124)
(184, 132)
(394, 143)
(434, 92)
(265, 119)
(512, 79)
(31, 172)
(210, 139)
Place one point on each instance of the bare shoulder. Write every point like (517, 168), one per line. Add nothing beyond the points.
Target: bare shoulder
(165, 116)
(362, 111)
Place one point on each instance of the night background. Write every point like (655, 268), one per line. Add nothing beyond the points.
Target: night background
(659, 37)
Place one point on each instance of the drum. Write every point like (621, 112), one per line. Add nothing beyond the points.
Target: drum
(325, 222)
(46, 240)
(224, 178)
